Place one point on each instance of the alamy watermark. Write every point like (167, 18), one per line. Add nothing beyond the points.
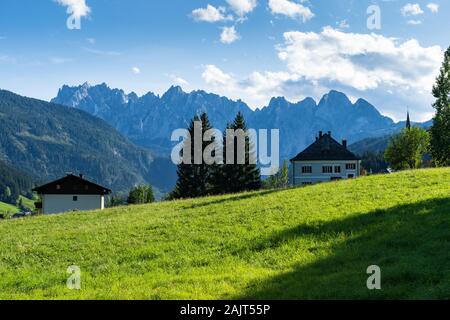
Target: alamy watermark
(374, 19)
(74, 279)
(76, 9)
(374, 281)
(241, 147)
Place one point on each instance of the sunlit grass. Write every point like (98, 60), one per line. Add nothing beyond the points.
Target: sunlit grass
(313, 242)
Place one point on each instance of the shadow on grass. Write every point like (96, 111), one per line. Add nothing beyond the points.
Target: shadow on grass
(232, 198)
(410, 243)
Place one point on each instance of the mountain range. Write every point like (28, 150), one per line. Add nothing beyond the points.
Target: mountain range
(121, 140)
(46, 140)
(150, 119)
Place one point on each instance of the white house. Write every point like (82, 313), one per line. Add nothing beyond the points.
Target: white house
(325, 160)
(71, 193)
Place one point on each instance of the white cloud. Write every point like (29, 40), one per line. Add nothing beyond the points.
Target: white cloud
(343, 24)
(389, 73)
(136, 70)
(257, 88)
(78, 8)
(59, 60)
(216, 77)
(291, 9)
(210, 14)
(433, 7)
(178, 80)
(91, 40)
(102, 52)
(414, 22)
(411, 9)
(361, 61)
(242, 7)
(4, 58)
(229, 35)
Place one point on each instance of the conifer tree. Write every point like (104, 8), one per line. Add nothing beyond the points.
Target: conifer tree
(440, 131)
(194, 179)
(238, 176)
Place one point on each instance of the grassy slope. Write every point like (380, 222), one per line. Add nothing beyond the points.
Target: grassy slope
(5, 207)
(315, 242)
(28, 203)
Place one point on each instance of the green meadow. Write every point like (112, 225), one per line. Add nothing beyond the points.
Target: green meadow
(7, 208)
(304, 243)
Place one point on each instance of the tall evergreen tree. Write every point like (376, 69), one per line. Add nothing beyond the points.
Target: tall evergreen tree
(238, 176)
(226, 176)
(194, 179)
(440, 131)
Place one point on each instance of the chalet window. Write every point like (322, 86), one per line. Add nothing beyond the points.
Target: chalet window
(337, 169)
(327, 169)
(350, 166)
(306, 169)
(75, 198)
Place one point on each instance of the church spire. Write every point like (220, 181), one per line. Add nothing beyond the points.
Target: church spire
(408, 121)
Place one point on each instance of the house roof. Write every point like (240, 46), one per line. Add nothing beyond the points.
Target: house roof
(72, 184)
(325, 148)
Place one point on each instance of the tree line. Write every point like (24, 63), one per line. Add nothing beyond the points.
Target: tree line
(231, 175)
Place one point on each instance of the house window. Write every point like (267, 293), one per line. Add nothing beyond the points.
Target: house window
(58, 187)
(75, 198)
(327, 169)
(351, 176)
(306, 169)
(337, 169)
(350, 166)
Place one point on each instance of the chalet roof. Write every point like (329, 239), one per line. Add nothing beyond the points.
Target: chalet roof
(72, 184)
(325, 148)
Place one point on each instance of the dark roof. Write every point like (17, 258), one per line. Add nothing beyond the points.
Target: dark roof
(325, 148)
(72, 184)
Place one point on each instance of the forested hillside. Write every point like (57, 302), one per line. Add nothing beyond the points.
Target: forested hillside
(13, 183)
(49, 140)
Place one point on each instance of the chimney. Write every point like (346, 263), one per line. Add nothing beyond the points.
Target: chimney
(81, 175)
(320, 134)
(344, 143)
(329, 133)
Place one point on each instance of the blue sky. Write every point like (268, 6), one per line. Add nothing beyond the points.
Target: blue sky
(244, 49)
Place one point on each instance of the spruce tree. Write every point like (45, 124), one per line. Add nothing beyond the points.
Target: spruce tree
(225, 179)
(240, 177)
(218, 171)
(440, 131)
(194, 180)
